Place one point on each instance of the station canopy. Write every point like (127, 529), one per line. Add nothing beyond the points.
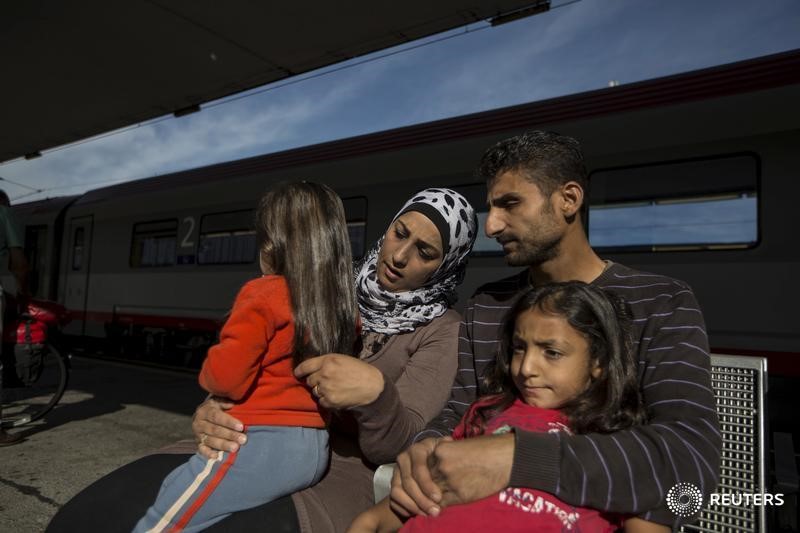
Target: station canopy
(72, 69)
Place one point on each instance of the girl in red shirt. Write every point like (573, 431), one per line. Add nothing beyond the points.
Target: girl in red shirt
(567, 366)
(303, 306)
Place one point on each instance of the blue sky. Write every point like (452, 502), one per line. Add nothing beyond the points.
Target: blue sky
(574, 48)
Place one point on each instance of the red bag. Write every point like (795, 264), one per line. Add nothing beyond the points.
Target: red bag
(31, 326)
(27, 332)
(22, 331)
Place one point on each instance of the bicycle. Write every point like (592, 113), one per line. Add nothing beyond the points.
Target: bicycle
(34, 373)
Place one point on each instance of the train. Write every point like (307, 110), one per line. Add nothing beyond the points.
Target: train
(707, 159)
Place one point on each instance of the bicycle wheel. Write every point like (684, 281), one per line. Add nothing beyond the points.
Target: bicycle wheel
(23, 403)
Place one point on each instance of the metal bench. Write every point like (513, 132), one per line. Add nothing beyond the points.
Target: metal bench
(740, 386)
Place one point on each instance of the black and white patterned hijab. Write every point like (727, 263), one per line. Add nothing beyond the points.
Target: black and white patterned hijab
(397, 312)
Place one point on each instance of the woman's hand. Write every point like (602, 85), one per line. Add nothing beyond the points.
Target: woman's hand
(341, 381)
(435, 473)
(414, 492)
(215, 430)
(377, 519)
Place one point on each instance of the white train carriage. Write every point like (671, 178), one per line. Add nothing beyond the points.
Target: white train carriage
(705, 160)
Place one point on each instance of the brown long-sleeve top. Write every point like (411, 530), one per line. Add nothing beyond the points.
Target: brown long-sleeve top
(418, 369)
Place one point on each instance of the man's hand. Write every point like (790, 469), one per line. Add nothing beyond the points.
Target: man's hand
(435, 473)
(215, 430)
(471, 469)
(413, 490)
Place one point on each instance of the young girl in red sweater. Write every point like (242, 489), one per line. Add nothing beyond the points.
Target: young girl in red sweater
(303, 306)
(566, 365)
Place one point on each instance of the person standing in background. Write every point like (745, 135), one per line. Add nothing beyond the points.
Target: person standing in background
(12, 259)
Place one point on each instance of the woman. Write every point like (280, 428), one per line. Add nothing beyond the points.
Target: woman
(405, 286)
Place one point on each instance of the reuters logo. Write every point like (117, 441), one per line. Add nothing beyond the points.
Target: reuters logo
(684, 499)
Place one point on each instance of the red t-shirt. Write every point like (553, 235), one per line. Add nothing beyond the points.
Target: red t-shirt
(515, 509)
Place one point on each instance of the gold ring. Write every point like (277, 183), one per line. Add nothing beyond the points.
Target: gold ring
(316, 391)
(203, 438)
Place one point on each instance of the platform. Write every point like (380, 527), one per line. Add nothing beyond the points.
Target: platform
(110, 414)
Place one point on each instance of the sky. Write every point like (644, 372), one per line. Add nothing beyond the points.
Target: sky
(577, 46)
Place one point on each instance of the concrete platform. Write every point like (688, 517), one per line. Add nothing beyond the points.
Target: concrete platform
(111, 414)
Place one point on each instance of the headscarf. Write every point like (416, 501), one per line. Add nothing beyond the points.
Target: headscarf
(396, 312)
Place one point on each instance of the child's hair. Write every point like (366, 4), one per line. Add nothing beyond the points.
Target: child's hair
(611, 401)
(302, 233)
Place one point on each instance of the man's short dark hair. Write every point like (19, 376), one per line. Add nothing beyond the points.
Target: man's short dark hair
(546, 158)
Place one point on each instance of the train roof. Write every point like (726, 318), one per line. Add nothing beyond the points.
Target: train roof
(44, 206)
(78, 69)
(764, 73)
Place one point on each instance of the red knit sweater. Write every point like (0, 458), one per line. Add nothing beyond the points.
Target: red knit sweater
(252, 364)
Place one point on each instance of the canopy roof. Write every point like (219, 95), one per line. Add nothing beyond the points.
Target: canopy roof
(77, 68)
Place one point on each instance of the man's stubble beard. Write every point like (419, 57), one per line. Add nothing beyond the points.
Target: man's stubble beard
(528, 256)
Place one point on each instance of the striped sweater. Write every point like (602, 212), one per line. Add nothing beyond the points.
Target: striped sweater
(628, 471)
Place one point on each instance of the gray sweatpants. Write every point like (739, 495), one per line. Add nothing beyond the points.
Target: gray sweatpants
(275, 462)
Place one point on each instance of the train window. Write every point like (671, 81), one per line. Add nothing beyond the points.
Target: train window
(698, 204)
(357, 232)
(227, 238)
(154, 243)
(355, 211)
(476, 195)
(77, 249)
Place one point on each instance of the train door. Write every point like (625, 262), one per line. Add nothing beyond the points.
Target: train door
(77, 278)
(36, 250)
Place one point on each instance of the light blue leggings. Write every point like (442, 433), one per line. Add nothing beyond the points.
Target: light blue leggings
(275, 462)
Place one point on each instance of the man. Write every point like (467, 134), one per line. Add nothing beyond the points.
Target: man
(12, 257)
(537, 186)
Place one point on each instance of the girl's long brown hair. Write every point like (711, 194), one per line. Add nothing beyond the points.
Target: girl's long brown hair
(302, 232)
(612, 400)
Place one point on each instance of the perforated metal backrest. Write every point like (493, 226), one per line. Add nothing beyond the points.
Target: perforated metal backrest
(740, 389)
